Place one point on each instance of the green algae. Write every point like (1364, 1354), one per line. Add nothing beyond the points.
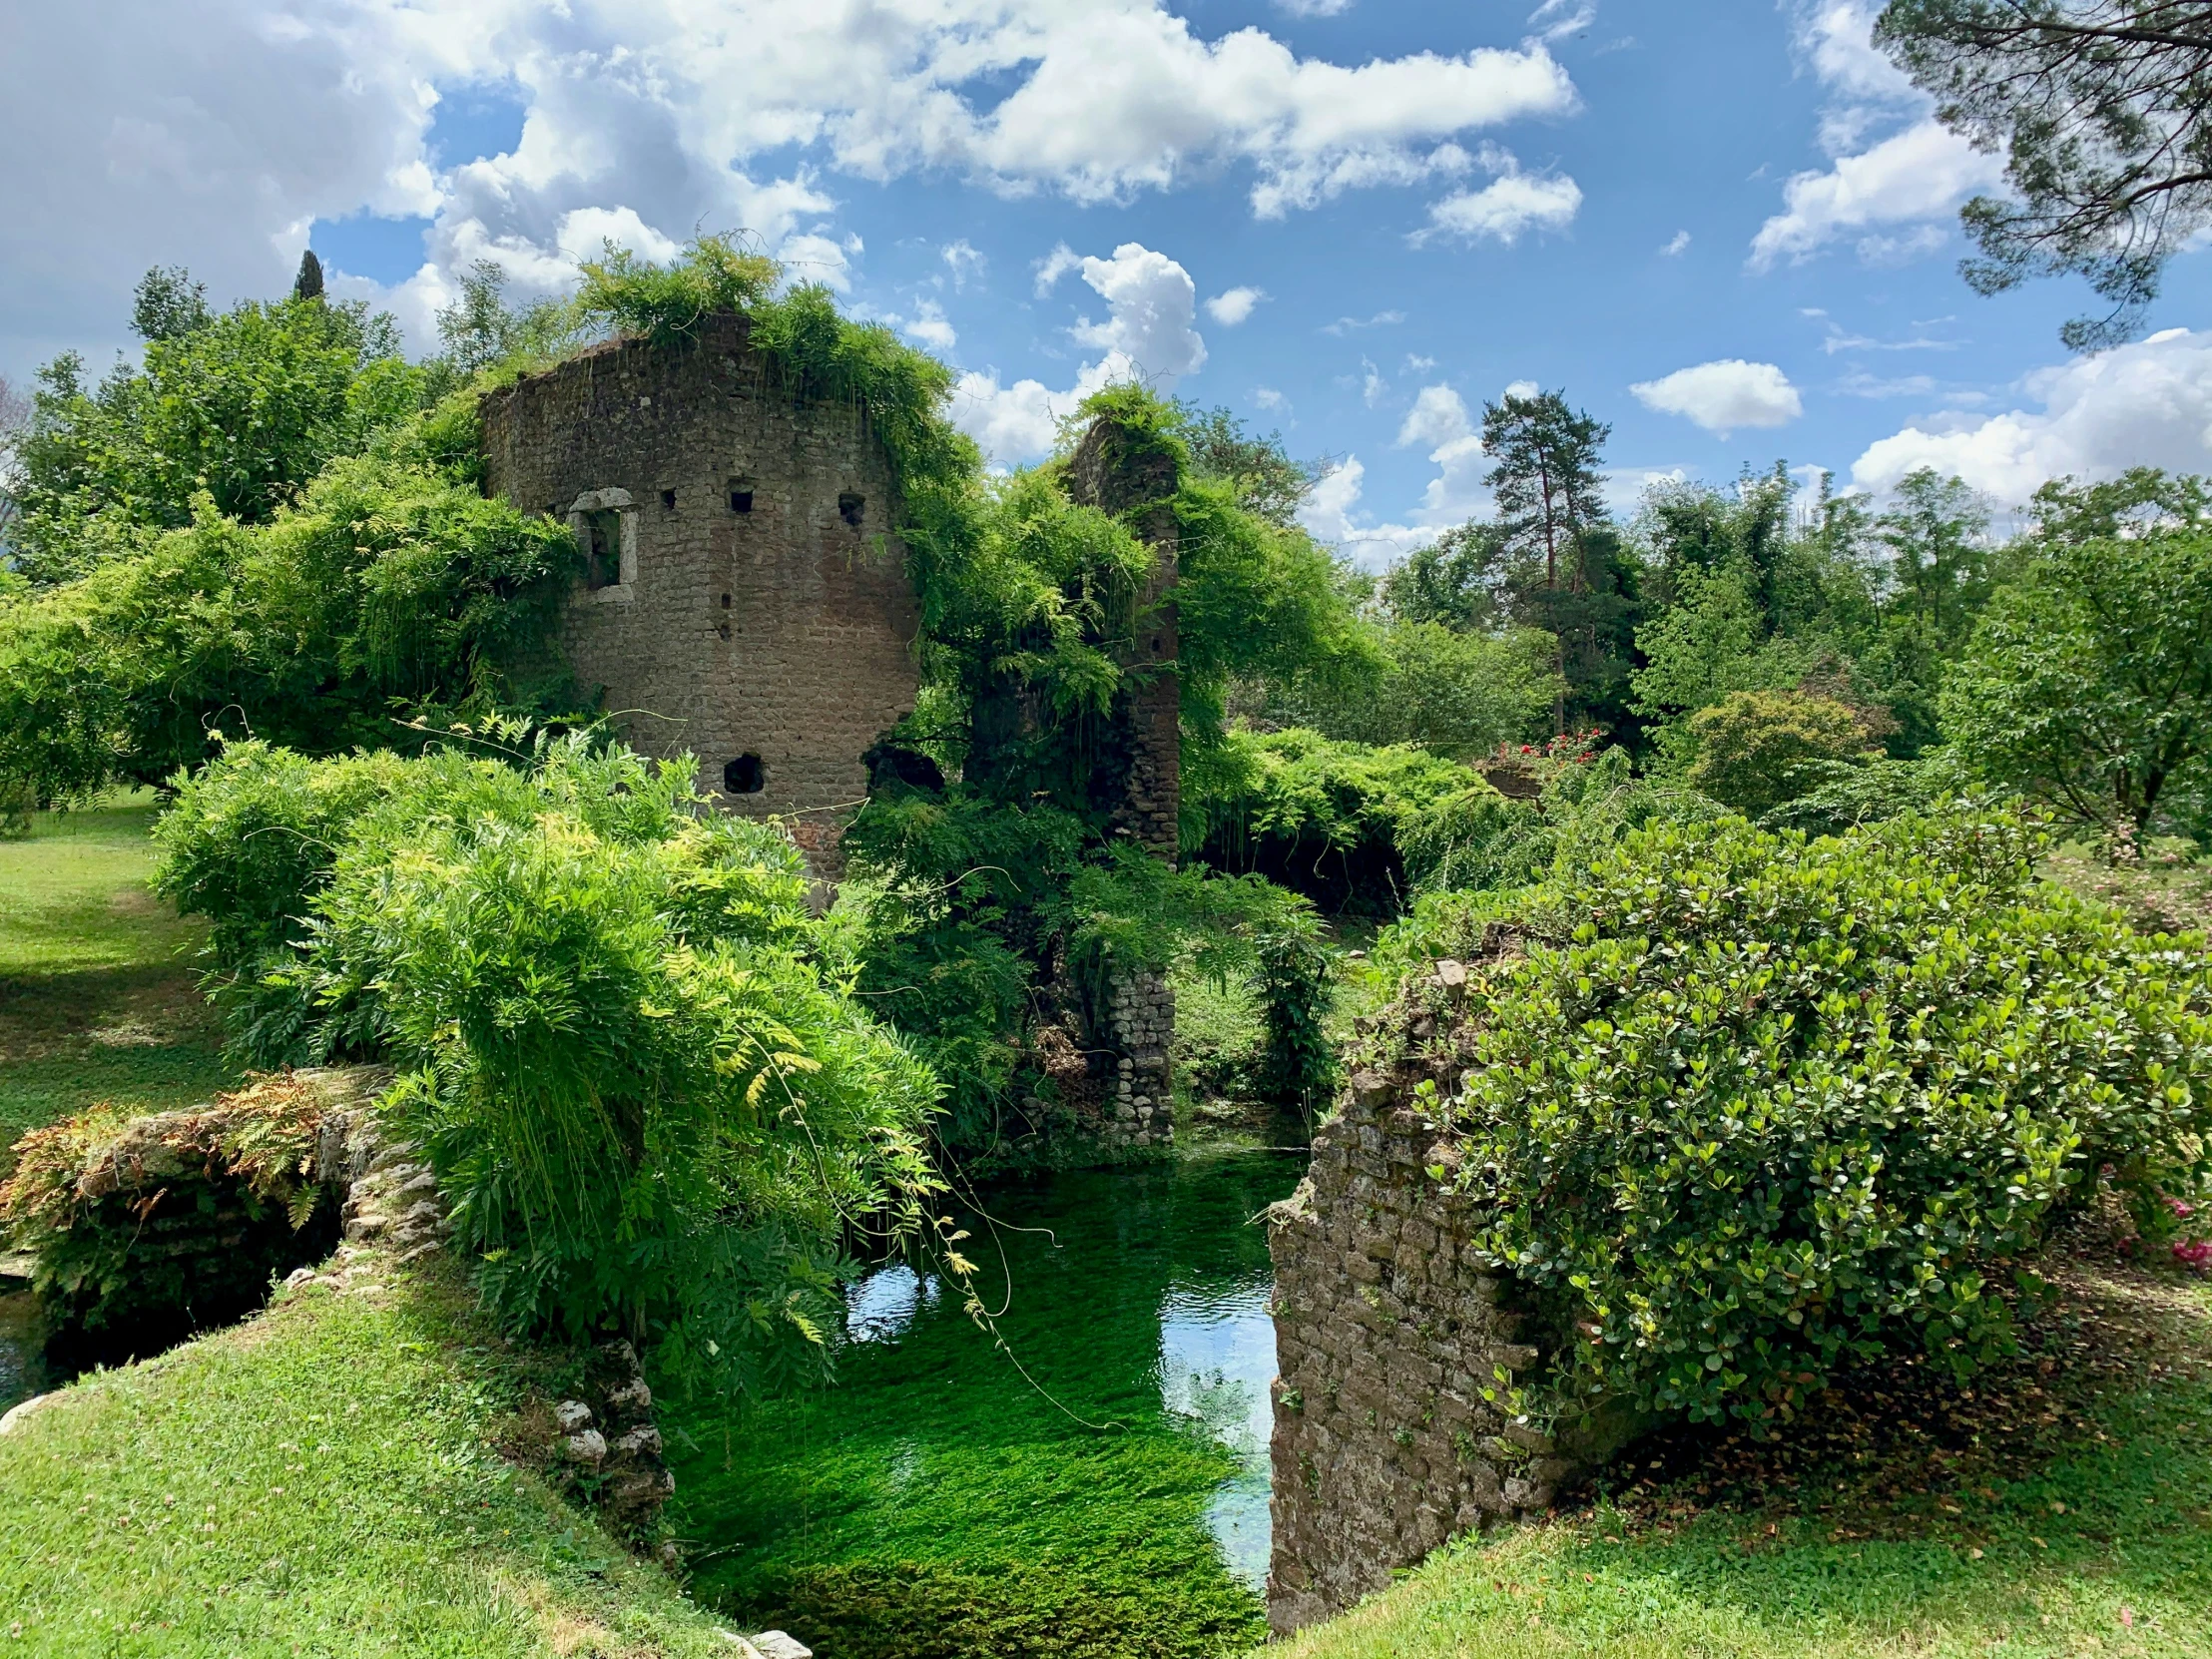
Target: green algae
(1096, 1487)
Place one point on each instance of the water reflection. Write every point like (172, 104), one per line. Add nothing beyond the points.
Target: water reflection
(881, 1307)
(1217, 1356)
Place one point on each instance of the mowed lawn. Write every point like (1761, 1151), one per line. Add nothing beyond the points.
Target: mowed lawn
(96, 994)
(2061, 1505)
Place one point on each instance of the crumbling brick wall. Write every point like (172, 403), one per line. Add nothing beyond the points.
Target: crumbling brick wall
(747, 599)
(1388, 1329)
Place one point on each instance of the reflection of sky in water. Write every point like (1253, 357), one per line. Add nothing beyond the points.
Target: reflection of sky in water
(1217, 1358)
(881, 1306)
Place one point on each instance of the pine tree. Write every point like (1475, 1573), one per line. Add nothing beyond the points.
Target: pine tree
(1545, 479)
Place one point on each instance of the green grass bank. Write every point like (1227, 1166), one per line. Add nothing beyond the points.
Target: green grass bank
(97, 995)
(321, 1480)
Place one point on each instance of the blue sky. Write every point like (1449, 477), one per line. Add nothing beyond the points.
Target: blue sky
(1728, 230)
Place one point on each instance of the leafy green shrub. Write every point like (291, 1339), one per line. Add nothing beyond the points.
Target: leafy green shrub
(1326, 818)
(392, 591)
(628, 1047)
(147, 1227)
(1741, 1109)
(1454, 692)
(1751, 745)
(1481, 840)
(666, 303)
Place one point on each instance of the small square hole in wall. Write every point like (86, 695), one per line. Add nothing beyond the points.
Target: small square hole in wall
(741, 495)
(668, 500)
(744, 776)
(852, 509)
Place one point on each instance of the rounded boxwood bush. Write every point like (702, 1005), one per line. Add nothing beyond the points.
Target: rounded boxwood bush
(1740, 1108)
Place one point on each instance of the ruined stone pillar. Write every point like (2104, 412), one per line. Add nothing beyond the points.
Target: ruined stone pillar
(1119, 470)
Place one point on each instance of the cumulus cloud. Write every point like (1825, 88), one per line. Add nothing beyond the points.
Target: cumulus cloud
(217, 134)
(1334, 515)
(2145, 404)
(1920, 173)
(1726, 396)
(1440, 421)
(1148, 334)
(1892, 198)
(1233, 305)
(1511, 204)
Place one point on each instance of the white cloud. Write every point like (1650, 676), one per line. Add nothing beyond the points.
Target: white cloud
(1353, 325)
(1266, 398)
(814, 258)
(1055, 266)
(1725, 396)
(1332, 512)
(2145, 404)
(1439, 415)
(931, 328)
(1923, 172)
(1148, 334)
(1557, 19)
(1233, 305)
(1522, 388)
(1914, 177)
(963, 261)
(1440, 419)
(1510, 204)
(1676, 244)
(1315, 8)
(215, 133)
(1149, 326)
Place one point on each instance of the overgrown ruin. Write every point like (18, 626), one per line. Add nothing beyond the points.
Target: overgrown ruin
(747, 598)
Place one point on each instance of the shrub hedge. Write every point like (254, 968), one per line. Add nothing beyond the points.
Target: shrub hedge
(1742, 1109)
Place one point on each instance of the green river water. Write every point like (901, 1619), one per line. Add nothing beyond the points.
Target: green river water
(939, 1503)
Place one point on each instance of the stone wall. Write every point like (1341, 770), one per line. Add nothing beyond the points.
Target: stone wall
(1388, 1329)
(747, 600)
(1111, 471)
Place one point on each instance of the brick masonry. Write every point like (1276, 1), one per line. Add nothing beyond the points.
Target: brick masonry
(784, 631)
(1387, 1328)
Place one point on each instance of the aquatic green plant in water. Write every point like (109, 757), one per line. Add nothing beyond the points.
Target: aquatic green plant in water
(1095, 1489)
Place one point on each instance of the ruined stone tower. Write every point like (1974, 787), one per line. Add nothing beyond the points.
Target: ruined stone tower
(746, 597)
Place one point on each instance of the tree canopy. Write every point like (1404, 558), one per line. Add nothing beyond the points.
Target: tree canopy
(2099, 108)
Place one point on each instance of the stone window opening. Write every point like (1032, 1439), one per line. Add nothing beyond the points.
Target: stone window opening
(668, 501)
(741, 495)
(602, 549)
(852, 508)
(744, 776)
(605, 524)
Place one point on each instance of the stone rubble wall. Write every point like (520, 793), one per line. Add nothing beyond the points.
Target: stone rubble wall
(1388, 1329)
(1140, 1026)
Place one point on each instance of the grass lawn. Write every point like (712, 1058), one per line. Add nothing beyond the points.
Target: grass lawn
(97, 1000)
(2062, 1505)
(319, 1481)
